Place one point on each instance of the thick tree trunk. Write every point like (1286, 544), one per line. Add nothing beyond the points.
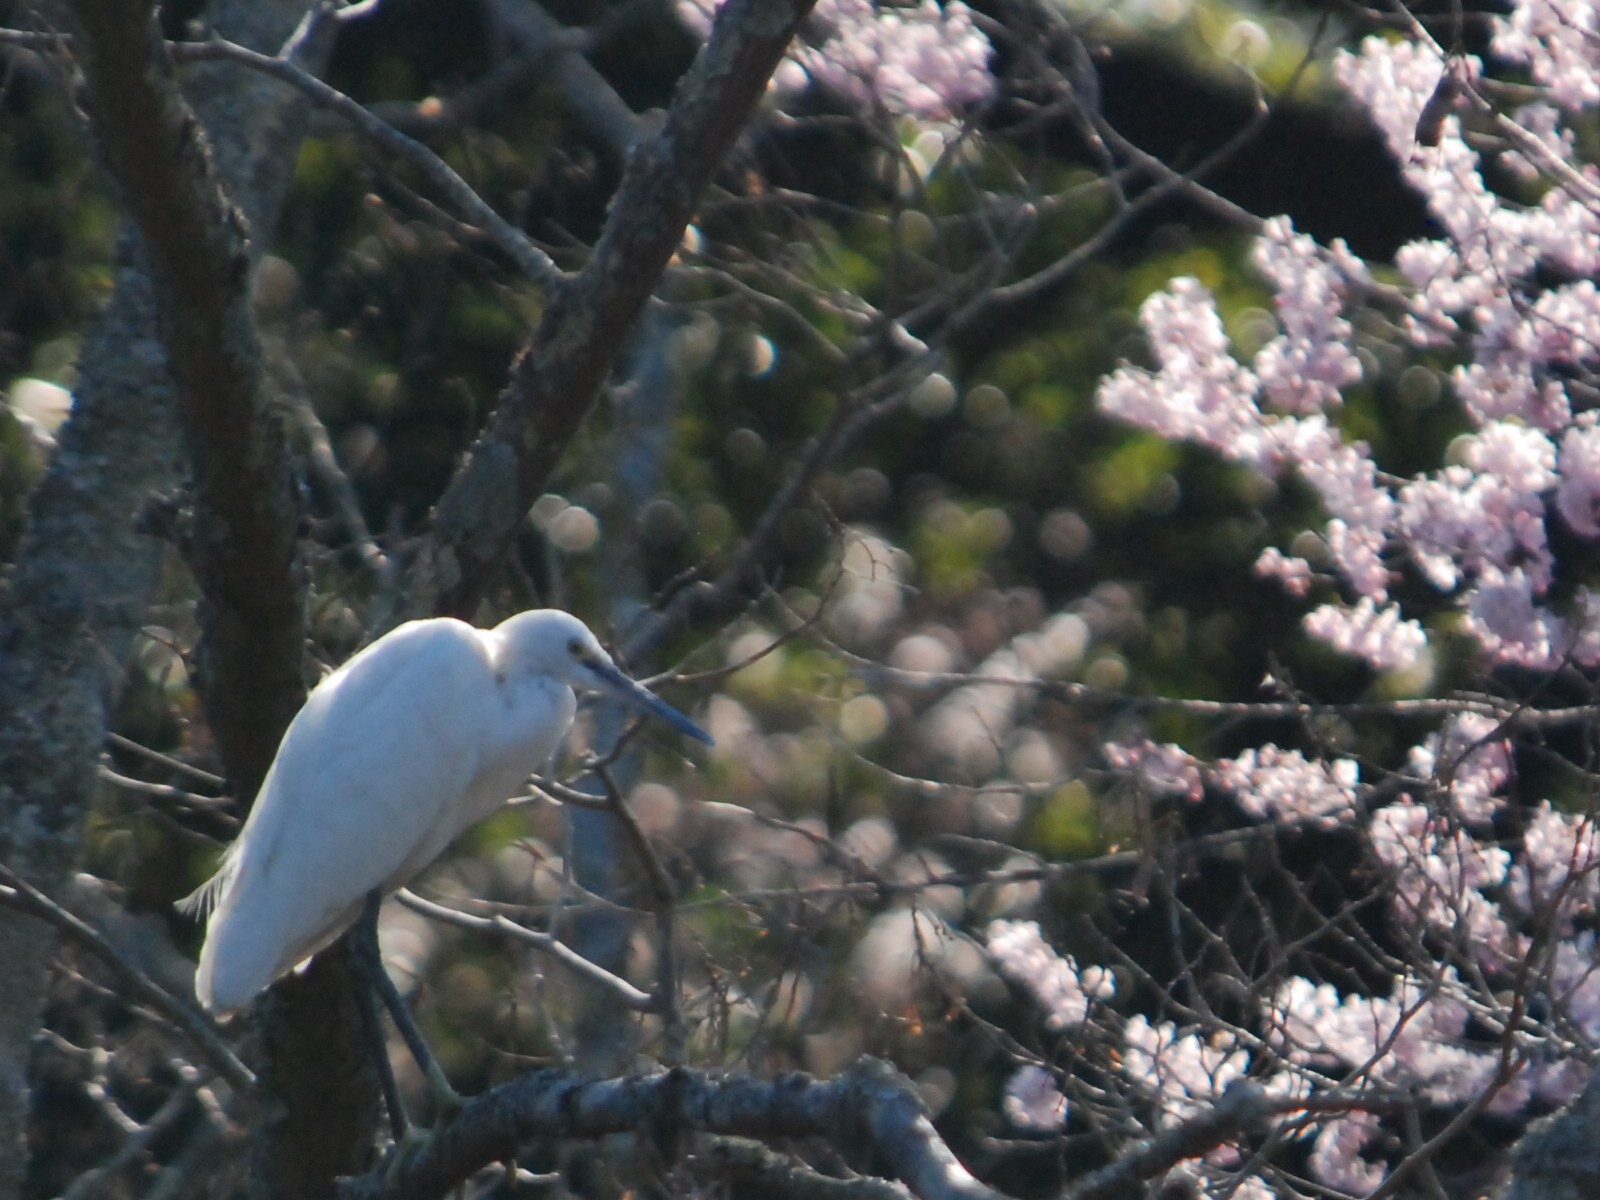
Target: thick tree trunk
(84, 577)
(319, 1101)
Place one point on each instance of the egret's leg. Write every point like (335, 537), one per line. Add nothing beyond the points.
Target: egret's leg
(445, 1096)
(372, 1026)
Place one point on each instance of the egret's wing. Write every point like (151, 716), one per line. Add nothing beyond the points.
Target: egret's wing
(369, 773)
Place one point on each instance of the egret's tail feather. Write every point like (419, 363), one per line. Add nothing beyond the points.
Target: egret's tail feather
(202, 902)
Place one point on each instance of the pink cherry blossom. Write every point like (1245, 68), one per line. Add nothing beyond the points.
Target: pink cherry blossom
(1199, 392)
(1303, 368)
(1506, 288)
(1578, 497)
(1439, 873)
(1033, 1102)
(923, 60)
(1556, 39)
(1292, 572)
(1336, 1157)
(1504, 614)
(1283, 785)
(1054, 980)
(1185, 1071)
(1556, 875)
(1412, 1037)
(1380, 636)
(1472, 763)
(1166, 769)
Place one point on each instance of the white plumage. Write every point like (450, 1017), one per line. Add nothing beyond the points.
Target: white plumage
(426, 731)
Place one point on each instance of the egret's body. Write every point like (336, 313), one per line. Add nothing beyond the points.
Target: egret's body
(425, 732)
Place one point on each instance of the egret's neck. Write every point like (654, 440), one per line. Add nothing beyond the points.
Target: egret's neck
(532, 717)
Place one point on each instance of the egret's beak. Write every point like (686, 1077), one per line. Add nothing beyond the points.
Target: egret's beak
(614, 683)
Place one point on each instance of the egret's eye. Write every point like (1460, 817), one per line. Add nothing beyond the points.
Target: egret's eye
(576, 647)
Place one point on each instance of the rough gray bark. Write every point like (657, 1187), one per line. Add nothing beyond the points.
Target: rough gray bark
(84, 577)
(871, 1107)
(1559, 1157)
(83, 582)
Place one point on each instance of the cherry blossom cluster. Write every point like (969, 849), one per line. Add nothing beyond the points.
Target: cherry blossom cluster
(1488, 899)
(1061, 989)
(1033, 1102)
(1508, 291)
(1268, 782)
(1473, 902)
(925, 61)
(1175, 1070)
(1063, 993)
(1491, 290)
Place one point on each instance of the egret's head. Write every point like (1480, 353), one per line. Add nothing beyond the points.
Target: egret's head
(550, 642)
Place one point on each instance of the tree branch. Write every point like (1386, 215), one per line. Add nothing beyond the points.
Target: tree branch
(751, 1163)
(84, 576)
(557, 377)
(516, 245)
(1243, 1106)
(623, 991)
(244, 548)
(870, 1105)
(1559, 1157)
(592, 100)
(201, 1033)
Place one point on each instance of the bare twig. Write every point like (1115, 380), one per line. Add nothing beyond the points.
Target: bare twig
(28, 39)
(325, 468)
(166, 760)
(1513, 713)
(163, 791)
(668, 1002)
(624, 992)
(20, 894)
(530, 260)
(135, 1145)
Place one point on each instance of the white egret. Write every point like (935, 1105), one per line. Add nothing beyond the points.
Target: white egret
(428, 730)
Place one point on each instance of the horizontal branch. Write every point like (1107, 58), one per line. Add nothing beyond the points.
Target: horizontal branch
(1242, 1107)
(870, 1106)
